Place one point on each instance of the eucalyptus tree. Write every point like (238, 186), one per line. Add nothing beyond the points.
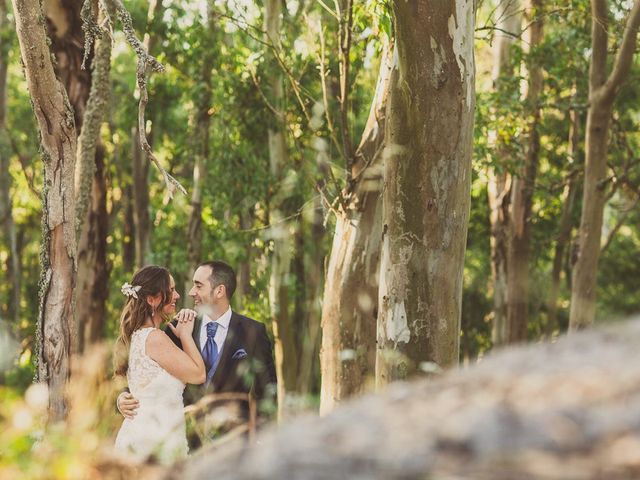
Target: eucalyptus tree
(280, 276)
(523, 182)
(603, 89)
(508, 30)
(202, 124)
(351, 285)
(6, 207)
(55, 120)
(141, 203)
(426, 193)
(90, 178)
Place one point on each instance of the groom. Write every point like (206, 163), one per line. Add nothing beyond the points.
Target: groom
(236, 349)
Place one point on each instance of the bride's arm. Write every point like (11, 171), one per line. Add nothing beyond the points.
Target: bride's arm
(185, 365)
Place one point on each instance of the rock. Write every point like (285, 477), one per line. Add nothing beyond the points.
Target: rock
(564, 410)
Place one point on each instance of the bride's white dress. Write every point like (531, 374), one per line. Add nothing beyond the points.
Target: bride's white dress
(158, 429)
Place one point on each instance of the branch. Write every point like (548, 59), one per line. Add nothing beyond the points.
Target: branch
(599, 29)
(298, 90)
(346, 26)
(96, 108)
(623, 61)
(323, 84)
(626, 212)
(145, 61)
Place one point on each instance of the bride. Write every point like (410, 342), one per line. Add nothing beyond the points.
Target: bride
(156, 369)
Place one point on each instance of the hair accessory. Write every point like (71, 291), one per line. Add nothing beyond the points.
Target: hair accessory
(129, 290)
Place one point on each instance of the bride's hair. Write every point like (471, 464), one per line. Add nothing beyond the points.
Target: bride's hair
(151, 280)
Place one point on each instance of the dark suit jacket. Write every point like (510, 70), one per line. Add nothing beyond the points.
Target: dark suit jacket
(253, 373)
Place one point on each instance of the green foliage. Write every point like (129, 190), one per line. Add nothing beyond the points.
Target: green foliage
(501, 130)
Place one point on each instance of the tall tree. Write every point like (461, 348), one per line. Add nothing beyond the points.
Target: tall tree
(141, 213)
(603, 89)
(58, 252)
(201, 146)
(426, 195)
(92, 218)
(523, 182)
(508, 27)
(6, 208)
(565, 226)
(286, 355)
(311, 310)
(349, 307)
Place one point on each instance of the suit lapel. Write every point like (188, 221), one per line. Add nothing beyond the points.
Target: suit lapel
(196, 331)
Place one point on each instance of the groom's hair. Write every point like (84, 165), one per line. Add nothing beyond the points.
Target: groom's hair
(222, 274)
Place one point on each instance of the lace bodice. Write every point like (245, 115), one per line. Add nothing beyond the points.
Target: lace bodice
(158, 427)
(145, 377)
(142, 368)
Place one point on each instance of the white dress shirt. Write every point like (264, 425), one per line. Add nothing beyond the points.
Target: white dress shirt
(221, 333)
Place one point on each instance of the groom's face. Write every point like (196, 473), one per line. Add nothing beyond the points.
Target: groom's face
(202, 292)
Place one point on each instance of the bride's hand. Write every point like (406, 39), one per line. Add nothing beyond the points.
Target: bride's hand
(186, 315)
(184, 327)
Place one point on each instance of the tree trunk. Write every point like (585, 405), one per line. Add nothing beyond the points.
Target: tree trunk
(203, 122)
(314, 255)
(13, 267)
(602, 92)
(93, 268)
(92, 219)
(64, 27)
(141, 212)
(349, 306)
(244, 270)
(128, 237)
(58, 252)
(141, 218)
(427, 181)
(499, 184)
(565, 226)
(523, 185)
(286, 354)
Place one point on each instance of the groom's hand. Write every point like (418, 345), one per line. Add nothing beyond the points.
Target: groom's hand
(127, 405)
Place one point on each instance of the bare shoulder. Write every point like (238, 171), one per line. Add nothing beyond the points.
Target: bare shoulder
(157, 339)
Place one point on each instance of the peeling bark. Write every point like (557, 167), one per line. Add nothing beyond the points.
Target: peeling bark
(427, 181)
(349, 306)
(58, 253)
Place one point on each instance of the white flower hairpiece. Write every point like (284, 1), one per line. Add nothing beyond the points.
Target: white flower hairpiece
(129, 290)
